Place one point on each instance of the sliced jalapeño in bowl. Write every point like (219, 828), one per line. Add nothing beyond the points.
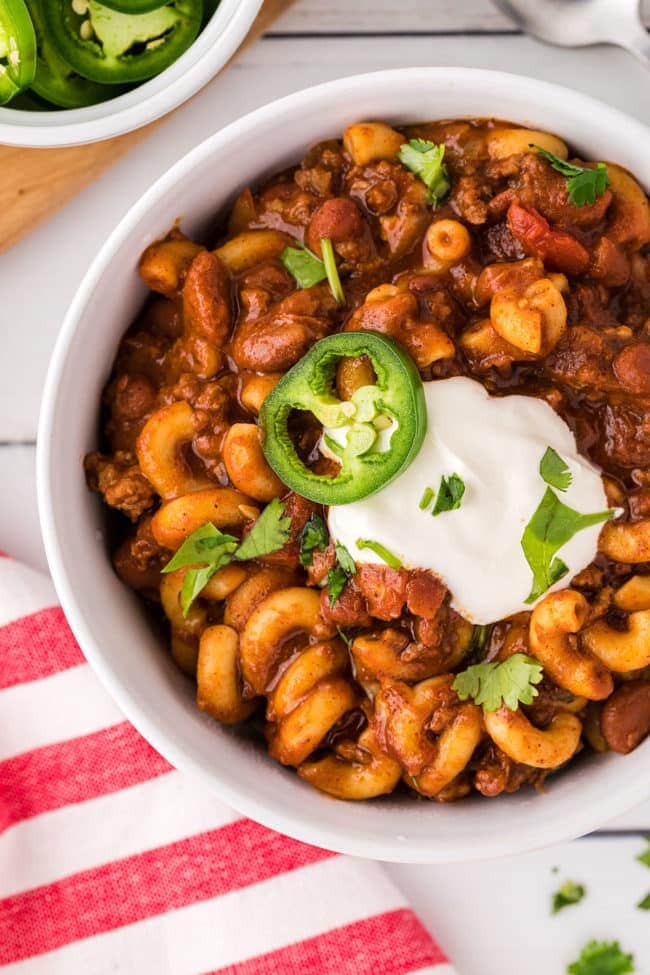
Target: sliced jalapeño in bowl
(114, 48)
(17, 49)
(373, 436)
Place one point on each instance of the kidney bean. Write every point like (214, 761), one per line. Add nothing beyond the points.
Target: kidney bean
(625, 718)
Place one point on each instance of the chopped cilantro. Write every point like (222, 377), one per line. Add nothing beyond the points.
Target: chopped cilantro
(569, 893)
(602, 958)
(584, 185)
(450, 494)
(510, 682)
(309, 270)
(207, 549)
(425, 159)
(338, 576)
(644, 903)
(554, 470)
(269, 533)
(552, 525)
(314, 537)
(644, 857)
(303, 265)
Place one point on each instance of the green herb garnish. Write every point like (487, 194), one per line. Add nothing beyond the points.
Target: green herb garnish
(644, 903)
(644, 857)
(303, 265)
(450, 494)
(583, 185)
(269, 533)
(207, 549)
(510, 682)
(480, 635)
(309, 270)
(381, 551)
(314, 537)
(346, 639)
(338, 576)
(552, 525)
(332, 271)
(425, 159)
(569, 893)
(427, 497)
(602, 958)
(555, 471)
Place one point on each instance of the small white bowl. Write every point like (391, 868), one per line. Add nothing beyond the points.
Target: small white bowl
(212, 49)
(108, 619)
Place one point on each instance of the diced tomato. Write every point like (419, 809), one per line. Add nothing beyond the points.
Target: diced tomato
(559, 250)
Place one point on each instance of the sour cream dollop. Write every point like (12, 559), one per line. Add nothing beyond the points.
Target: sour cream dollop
(495, 444)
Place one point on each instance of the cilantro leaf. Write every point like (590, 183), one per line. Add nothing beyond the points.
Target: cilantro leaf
(569, 893)
(338, 576)
(425, 159)
(313, 537)
(552, 525)
(203, 546)
(480, 635)
(331, 270)
(602, 958)
(584, 184)
(644, 857)
(344, 559)
(336, 582)
(644, 903)
(450, 494)
(554, 470)
(303, 265)
(207, 549)
(194, 581)
(509, 682)
(269, 533)
(385, 554)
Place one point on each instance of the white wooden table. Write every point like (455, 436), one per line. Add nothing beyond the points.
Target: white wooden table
(492, 918)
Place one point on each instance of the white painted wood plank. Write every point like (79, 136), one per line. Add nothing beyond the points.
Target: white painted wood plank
(366, 16)
(386, 16)
(39, 276)
(20, 534)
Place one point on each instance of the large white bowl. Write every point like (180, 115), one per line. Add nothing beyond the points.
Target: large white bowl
(214, 46)
(108, 619)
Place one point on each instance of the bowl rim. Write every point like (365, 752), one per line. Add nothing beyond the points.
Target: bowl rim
(152, 99)
(565, 825)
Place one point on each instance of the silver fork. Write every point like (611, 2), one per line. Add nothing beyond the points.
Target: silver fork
(577, 23)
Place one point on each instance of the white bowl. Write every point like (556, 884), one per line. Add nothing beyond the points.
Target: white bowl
(108, 619)
(212, 49)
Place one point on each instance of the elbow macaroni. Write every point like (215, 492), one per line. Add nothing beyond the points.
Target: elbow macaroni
(554, 623)
(159, 450)
(528, 745)
(402, 715)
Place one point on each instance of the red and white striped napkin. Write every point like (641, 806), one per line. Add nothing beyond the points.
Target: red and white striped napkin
(111, 861)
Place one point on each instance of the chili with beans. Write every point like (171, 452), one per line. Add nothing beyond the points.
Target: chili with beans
(223, 385)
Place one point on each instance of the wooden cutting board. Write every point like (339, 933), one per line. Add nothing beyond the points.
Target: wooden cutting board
(36, 182)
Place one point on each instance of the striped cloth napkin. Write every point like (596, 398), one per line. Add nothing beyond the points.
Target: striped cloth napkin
(111, 861)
